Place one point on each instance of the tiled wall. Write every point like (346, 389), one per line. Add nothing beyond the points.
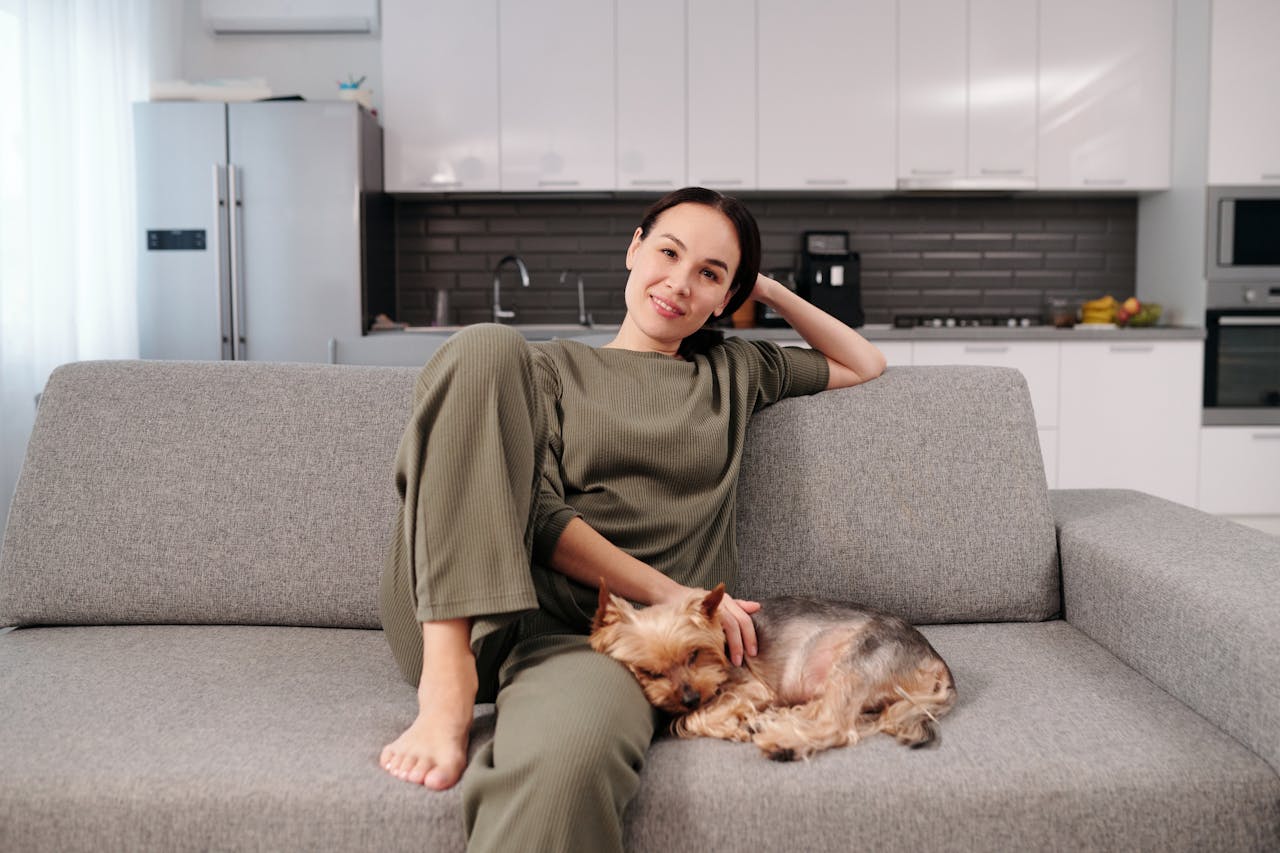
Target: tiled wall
(957, 256)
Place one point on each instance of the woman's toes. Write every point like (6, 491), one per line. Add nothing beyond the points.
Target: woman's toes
(442, 777)
(417, 771)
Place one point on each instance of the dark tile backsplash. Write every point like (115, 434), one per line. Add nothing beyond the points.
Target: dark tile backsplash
(951, 256)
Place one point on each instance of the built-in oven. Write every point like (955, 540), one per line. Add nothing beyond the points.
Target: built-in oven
(1244, 235)
(1242, 354)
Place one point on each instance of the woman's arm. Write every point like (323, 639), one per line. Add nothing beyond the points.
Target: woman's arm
(583, 554)
(852, 358)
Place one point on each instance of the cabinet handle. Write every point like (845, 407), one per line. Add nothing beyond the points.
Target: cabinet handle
(1266, 436)
(991, 348)
(933, 173)
(727, 182)
(651, 183)
(1104, 182)
(1132, 347)
(1006, 173)
(826, 182)
(558, 183)
(1271, 176)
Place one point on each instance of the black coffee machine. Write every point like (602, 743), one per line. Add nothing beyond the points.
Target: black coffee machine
(831, 276)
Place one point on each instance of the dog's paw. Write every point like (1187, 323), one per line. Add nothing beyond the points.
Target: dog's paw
(780, 753)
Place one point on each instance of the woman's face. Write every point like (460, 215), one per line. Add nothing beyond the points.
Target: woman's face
(681, 272)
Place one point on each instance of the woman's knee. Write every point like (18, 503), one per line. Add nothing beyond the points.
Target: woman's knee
(485, 355)
(600, 721)
(487, 345)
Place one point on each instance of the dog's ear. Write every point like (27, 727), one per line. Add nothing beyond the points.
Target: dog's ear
(711, 602)
(609, 610)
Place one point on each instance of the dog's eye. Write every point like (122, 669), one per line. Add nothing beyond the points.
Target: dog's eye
(693, 658)
(650, 674)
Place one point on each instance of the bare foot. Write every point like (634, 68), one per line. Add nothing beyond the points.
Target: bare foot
(433, 750)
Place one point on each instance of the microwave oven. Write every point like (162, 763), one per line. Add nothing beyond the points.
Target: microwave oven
(1244, 234)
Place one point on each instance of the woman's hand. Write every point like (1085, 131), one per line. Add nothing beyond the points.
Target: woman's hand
(734, 616)
(851, 358)
(739, 630)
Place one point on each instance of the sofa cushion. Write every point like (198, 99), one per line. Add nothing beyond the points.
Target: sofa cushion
(922, 493)
(204, 737)
(224, 492)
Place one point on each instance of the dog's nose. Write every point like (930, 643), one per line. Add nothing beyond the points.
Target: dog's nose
(690, 698)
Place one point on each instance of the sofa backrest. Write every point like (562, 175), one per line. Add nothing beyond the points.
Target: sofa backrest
(922, 493)
(226, 493)
(246, 493)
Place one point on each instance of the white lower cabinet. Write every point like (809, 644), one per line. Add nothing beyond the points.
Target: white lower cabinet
(1240, 470)
(1130, 417)
(896, 353)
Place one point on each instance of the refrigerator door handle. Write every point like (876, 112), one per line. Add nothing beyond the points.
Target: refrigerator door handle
(236, 208)
(221, 270)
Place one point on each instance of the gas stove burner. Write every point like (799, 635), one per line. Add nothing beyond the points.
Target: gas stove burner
(934, 321)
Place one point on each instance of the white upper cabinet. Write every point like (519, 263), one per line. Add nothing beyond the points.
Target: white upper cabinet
(828, 94)
(440, 95)
(557, 106)
(1244, 93)
(933, 91)
(722, 93)
(966, 94)
(1002, 92)
(1106, 96)
(651, 94)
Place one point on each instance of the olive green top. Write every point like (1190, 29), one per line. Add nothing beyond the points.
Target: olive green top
(646, 449)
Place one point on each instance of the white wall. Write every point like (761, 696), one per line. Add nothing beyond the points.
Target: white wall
(305, 65)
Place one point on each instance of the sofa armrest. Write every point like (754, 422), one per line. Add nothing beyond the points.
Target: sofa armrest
(1189, 600)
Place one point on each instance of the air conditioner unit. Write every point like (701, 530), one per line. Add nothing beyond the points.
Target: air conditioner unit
(291, 16)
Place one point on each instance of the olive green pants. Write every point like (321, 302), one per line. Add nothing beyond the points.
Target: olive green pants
(572, 725)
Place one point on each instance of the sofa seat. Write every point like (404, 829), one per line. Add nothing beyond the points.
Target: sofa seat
(1053, 738)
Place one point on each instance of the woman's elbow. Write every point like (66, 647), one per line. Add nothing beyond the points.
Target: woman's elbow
(841, 376)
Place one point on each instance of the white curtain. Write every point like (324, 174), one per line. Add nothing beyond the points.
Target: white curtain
(67, 237)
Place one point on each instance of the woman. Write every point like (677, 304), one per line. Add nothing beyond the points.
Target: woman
(530, 472)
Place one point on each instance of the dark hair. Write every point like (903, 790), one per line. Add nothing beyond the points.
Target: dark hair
(744, 277)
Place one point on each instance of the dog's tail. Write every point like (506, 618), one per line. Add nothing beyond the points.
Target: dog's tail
(912, 716)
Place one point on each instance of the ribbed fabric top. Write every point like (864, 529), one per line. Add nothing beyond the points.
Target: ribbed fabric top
(646, 448)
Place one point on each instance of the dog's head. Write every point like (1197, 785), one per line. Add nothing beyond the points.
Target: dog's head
(675, 651)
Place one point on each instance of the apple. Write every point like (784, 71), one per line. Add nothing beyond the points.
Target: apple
(1132, 306)
(1122, 315)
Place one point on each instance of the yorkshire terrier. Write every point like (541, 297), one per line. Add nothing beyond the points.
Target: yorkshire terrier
(827, 674)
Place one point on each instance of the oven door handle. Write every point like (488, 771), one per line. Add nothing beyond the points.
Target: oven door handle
(1249, 321)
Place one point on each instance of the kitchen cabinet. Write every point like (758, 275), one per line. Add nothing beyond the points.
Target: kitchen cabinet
(1129, 417)
(651, 95)
(1038, 363)
(1106, 95)
(557, 83)
(1240, 470)
(827, 94)
(1244, 76)
(440, 95)
(966, 94)
(722, 94)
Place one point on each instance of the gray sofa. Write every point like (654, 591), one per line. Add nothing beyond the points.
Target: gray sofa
(192, 559)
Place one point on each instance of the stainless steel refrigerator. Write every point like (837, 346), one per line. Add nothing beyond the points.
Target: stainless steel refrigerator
(264, 230)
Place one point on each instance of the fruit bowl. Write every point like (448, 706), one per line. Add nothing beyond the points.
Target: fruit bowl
(1147, 315)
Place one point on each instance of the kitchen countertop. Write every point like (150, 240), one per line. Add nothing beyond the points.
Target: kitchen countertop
(886, 332)
(998, 333)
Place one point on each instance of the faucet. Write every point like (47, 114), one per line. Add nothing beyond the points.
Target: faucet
(584, 319)
(498, 314)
